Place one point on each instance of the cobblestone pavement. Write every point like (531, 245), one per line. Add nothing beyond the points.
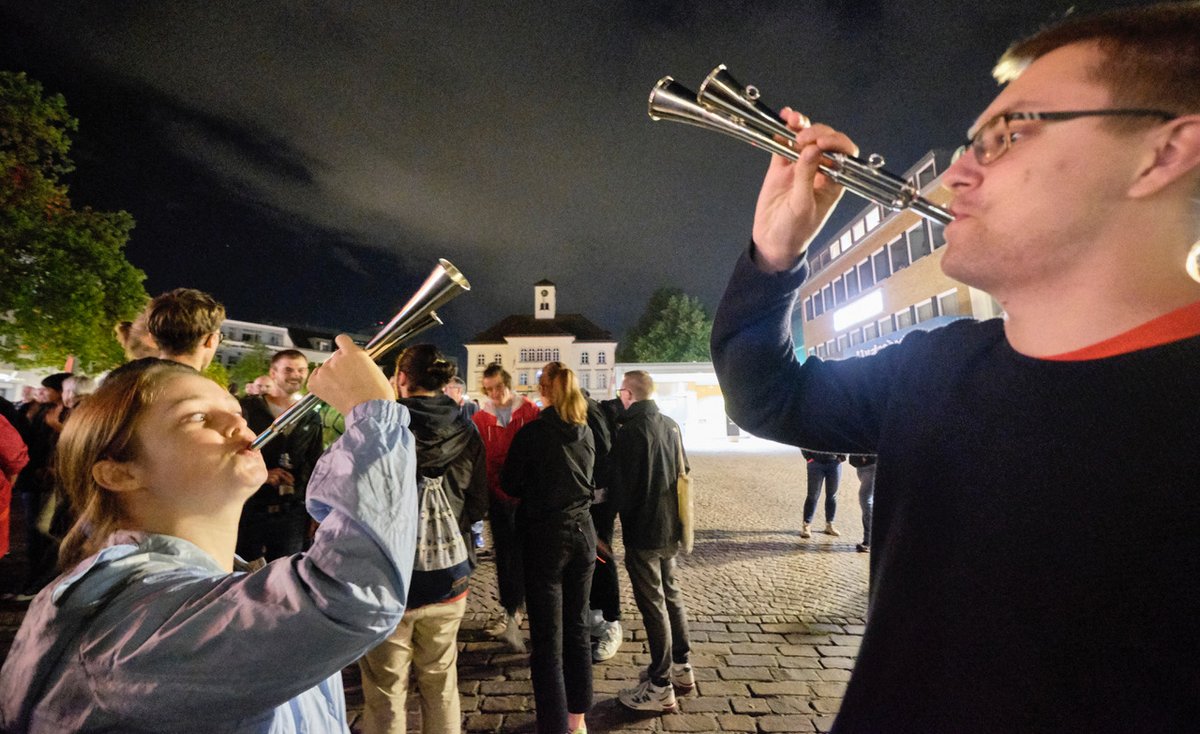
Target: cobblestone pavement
(775, 620)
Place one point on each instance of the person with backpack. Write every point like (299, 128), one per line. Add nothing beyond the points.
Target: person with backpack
(452, 493)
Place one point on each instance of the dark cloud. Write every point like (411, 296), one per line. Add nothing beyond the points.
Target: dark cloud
(310, 161)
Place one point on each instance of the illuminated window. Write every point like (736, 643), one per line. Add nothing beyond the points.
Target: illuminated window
(583, 358)
(479, 362)
(496, 358)
(523, 378)
(872, 218)
(602, 358)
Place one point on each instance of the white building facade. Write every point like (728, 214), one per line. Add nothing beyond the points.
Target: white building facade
(523, 344)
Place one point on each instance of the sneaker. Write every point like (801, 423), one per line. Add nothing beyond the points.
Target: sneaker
(682, 676)
(496, 629)
(596, 623)
(512, 635)
(610, 642)
(863, 548)
(831, 530)
(648, 697)
(805, 532)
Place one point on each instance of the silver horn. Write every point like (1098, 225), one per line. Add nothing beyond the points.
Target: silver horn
(728, 107)
(442, 285)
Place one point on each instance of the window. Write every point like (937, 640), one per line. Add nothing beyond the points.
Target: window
(846, 241)
(808, 309)
(899, 250)
(821, 351)
(870, 331)
(925, 176)
(583, 358)
(553, 355)
(948, 303)
(602, 381)
(939, 234)
(839, 292)
(859, 229)
(827, 297)
(823, 260)
(275, 341)
(926, 310)
(881, 264)
(496, 358)
(830, 346)
(866, 275)
(585, 380)
(543, 306)
(872, 219)
(886, 326)
(479, 361)
(856, 337)
(602, 358)
(836, 248)
(523, 355)
(842, 343)
(818, 304)
(523, 378)
(904, 319)
(918, 242)
(851, 278)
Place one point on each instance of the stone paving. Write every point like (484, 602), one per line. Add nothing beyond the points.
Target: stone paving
(775, 620)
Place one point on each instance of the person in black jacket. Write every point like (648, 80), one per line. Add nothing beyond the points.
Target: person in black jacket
(449, 448)
(644, 466)
(274, 522)
(549, 468)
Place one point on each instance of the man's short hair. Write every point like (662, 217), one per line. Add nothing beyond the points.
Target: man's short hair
(288, 354)
(456, 380)
(1152, 54)
(493, 369)
(640, 384)
(181, 318)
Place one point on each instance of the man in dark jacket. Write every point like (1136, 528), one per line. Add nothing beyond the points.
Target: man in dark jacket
(274, 522)
(644, 466)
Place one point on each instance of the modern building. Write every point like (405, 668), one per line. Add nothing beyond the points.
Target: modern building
(241, 337)
(880, 277)
(523, 343)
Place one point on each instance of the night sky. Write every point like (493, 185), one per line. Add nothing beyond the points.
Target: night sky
(309, 162)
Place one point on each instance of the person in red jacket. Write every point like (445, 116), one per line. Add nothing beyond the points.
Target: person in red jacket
(13, 457)
(498, 419)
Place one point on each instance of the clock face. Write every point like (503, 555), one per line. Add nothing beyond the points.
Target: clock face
(545, 293)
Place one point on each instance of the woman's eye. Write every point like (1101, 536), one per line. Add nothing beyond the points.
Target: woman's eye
(195, 418)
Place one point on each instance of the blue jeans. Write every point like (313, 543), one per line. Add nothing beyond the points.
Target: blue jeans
(829, 472)
(866, 498)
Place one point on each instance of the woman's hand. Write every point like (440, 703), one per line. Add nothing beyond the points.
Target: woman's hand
(349, 377)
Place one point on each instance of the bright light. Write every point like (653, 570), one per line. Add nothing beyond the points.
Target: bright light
(860, 310)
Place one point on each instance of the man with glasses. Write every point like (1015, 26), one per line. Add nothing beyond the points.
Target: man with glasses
(1035, 548)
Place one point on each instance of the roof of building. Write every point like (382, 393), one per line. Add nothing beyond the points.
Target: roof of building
(568, 324)
(543, 281)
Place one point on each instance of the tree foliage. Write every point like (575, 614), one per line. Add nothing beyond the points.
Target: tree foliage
(64, 279)
(675, 327)
(254, 363)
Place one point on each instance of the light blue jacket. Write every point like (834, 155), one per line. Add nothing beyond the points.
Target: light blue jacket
(151, 635)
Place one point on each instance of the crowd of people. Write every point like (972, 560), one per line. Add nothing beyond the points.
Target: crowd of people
(540, 471)
(207, 586)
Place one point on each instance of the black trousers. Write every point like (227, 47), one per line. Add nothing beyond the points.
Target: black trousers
(510, 574)
(559, 557)
(606, 584)
(271, 535)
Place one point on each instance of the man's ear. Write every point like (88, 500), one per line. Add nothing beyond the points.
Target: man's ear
(117, 476)
(1176, 156)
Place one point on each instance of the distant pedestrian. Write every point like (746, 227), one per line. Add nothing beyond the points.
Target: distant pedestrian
(823, 469)
(549, 468)
(864, 464)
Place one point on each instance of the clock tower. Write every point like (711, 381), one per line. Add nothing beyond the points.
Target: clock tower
(543, 300)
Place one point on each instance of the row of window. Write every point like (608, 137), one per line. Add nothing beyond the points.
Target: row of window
(252, 337)
(540, 356)
(525, 378)
(869, 221)
(916, 243)
(945, 304)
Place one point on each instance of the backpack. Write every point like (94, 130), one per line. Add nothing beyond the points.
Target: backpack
(439, 541)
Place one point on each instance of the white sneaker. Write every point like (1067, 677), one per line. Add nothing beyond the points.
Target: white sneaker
(610, 642)
(512, 635)
(805, 532)
(648, 697)
(496, 629)
(682, 676)
(596, 623)
(831, 530)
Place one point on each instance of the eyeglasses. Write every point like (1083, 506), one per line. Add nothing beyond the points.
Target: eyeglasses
(993, 139)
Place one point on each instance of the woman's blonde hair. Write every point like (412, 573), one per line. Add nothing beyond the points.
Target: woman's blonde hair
(102, 428)
(562, 390)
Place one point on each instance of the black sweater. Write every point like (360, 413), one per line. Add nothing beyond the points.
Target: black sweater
(549, 467)
(644, 468)
(1036, 543)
